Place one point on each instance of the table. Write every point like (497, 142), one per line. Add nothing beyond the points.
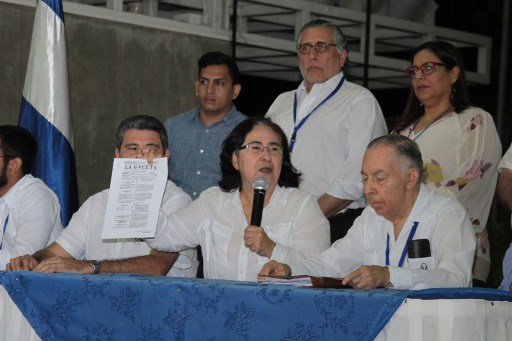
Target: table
(135, 307)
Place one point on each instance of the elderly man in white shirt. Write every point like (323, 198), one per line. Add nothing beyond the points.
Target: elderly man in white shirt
(375, 252)
(328, 122)
(29, 210)
(81, 249)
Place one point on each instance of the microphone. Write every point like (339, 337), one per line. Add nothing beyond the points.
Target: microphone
(260, 186)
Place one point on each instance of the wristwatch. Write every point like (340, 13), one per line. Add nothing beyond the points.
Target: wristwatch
(96, 267)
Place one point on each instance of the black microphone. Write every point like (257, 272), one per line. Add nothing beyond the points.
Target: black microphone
(260, 186)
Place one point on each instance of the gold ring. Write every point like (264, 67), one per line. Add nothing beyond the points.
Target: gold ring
(55, 266)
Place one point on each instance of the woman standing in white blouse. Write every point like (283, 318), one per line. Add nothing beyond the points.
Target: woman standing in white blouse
(218, 221)
(459, 143)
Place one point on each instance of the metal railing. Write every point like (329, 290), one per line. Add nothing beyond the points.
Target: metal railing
(266, 31)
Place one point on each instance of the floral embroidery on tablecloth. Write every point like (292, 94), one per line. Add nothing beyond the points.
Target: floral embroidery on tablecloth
(66, 307)
(99, 332)
(302, 332)
(176, 320)
(125, 303)
(337, 312)
(273, 295)
(95, 289)
(208, 297)
(239, 321)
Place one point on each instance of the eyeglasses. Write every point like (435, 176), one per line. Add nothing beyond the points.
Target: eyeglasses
(135, 151)
(425, 68)
(5, 155)
(257, 148)
(319, 47)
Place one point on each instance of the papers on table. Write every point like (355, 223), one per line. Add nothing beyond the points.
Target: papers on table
(304, 281)
(135, 196)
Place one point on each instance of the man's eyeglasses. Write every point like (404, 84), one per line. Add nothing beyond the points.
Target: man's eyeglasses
(257, 148)
(425, 68)
(319, 47)
(135, 151)
(5, 155)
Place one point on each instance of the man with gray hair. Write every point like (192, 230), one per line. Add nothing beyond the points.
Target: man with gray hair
(328, 121)
(379, 250)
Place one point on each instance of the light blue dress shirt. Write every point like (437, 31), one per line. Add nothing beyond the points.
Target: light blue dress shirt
(194, 164)
(506, 284)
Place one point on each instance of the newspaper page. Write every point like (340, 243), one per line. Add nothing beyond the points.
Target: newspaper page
(135, 196)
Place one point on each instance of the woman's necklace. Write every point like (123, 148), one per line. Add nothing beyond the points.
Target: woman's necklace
(438, 117)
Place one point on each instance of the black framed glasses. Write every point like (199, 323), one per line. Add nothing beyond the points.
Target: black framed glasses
(134, 151)
(257, 148)
(320, 47)
(425, 68)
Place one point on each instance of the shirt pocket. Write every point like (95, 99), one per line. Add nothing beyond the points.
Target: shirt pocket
(425, 263)
(217, 246)
(370, 257)
(280, 234)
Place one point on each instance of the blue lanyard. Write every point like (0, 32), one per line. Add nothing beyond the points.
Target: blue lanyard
(404, 252)
(296, 127)
(5, 227)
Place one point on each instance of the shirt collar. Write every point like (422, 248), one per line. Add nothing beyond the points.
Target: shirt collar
(330, 84)
(9, 196)
(419, 211)
(231, 114)
(278, 197)
(229, 117)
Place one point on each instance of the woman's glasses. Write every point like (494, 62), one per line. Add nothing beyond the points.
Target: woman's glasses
(425, 68)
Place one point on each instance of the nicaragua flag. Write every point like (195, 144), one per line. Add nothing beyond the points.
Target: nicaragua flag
(45, 106)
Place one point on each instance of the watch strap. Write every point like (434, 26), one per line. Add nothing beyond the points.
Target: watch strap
(96, 266)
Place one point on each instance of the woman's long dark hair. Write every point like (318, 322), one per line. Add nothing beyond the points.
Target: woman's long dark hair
(231, 179)
(451, 58)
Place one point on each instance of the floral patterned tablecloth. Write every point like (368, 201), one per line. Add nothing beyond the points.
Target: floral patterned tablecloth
(135, 307)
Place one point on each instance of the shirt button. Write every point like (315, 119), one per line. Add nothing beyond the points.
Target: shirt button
(207, 130)
(194, 193)
(198, 172)
(201, 151)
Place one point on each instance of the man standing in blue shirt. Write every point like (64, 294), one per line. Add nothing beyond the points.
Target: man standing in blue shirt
(195, 136)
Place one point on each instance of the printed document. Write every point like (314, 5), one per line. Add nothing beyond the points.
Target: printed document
(135, 196)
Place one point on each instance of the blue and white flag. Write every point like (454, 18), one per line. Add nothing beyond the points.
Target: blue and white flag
(45, 106)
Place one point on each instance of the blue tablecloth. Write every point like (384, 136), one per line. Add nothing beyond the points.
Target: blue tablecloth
(135, 307)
